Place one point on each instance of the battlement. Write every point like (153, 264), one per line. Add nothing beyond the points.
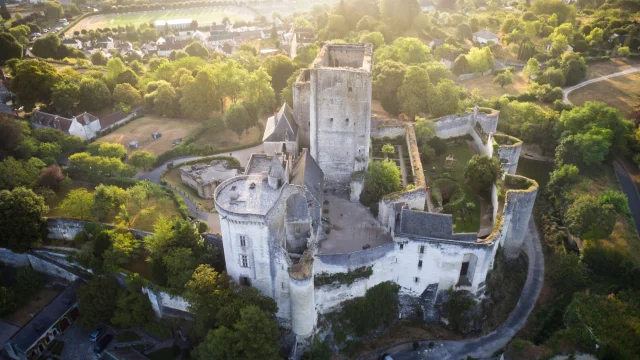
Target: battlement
(353, 56)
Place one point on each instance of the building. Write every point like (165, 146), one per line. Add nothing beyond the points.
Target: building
(292, 218)
(84, 125)
(299, 38)
(484, 36)
(106, 43)
(34, 338)
(340, 102)
(204, 178)
(74, 43)
(175, 24)
(281, 133)
(165, 49)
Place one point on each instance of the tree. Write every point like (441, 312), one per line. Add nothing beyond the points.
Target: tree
(4, 12)
(574, 68)
(559, 45)
(504, 78)
(280, 68)
(463, 32)
(383, 177)
(425, 130)
(11, 133)
(254, 336)
(375, 38)
(78, 204)
(238, 118)
(258, 90)
(623, 51)
(10, 48)
(15, 173)
(437, 72)
(64, 96)
(98, 58)
(123, 247)
(21, 223)
(132, 309)
(105, 149)
(532, 69)
(197, 49)
(51, 177)
(96, 301)
(106, 198)
(480, 59)
(409, 51)
(33, 82)
(481, 172)
(399, 14)
(446, 99)
(388, 149)
(115, 66)
(415, 91)
(587, 218)
(94, 94)
(180, 263)
(143, 159)
(53, 10)
(207, 292)
(388, 76)
(552, 76)
(127, 77)
(126, 97)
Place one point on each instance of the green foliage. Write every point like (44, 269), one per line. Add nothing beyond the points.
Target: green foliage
(197, 49)
(383, 177)
(388, 76)
(96, 301)
(348, 278)
(4, 12)
(33, 82)
(481, 172)
(98, 166)
(589, 219)
(21, 224)
(574, 68)
(446, 99)
(618, 200)
(143, 159)
(10, 48)
(398, 15)
(15, 173)
(379, 307)
(504, 78)
(78, 204)
(568, 275)
(406, 50)
(553, 77)
(280, 68)
(50, 46)
(414, 91)
(455, 309)
(29, 282)
(238, 118)
(132, 309)
(318, 351)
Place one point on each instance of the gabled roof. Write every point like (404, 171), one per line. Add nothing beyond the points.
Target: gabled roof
(430, 225)
(46, 318)
(486, 34)
(86, 118)
(282, 126)
(307, 172)
(111, 119)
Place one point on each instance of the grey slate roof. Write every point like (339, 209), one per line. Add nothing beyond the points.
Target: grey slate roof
(486, 34)
(307, 172)
(282, 126)
(424, 224)
(46, 318)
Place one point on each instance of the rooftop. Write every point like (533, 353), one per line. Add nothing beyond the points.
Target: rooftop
(281, 126)
(347, 56)
(247, 194)
(216, 171)
(46, 318)
(258, 163)
(486, 34)
(430, 225)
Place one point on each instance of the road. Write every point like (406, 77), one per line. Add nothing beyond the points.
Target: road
(567, 91)
(212, 219)
(629, 188)
(486, 346)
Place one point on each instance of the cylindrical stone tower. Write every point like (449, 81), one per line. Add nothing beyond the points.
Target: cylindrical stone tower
(303, 307)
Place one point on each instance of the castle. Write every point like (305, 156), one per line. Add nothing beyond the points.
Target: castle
(293, 217)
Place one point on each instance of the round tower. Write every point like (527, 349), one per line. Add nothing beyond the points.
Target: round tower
(303, 307)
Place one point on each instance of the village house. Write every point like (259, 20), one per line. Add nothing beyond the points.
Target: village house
(484, 36)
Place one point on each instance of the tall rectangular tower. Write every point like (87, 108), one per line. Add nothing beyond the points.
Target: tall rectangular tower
(340, 111)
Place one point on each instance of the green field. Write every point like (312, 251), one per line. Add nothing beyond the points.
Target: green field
(204, 16)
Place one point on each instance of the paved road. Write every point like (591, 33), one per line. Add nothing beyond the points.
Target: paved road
(567, 91)
(485, 346)
(629, 188)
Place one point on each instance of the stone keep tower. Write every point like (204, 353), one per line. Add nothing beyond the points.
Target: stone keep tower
(340, 111)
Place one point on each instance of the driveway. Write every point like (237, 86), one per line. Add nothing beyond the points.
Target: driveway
(629, 189)
(567, 91)
(485, 346)
(77, 345)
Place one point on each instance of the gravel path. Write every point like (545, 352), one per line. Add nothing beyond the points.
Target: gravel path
(567, 91)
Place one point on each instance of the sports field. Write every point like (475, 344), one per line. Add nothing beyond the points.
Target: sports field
(203, 15)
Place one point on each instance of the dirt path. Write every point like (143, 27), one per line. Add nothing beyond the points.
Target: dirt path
(567, 91)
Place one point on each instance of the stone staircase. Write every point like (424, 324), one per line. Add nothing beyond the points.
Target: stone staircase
(428, 300)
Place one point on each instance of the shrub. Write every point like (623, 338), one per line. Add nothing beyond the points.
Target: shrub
(80, 239)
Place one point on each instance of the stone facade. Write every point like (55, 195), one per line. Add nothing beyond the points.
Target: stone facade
(204, 178)
(276, 229)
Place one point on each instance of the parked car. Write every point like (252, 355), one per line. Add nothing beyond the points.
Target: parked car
(102, 344)
(95, 335)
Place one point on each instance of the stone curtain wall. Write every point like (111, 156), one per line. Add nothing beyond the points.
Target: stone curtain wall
(510, 154)
(453, 125)
(40, 265)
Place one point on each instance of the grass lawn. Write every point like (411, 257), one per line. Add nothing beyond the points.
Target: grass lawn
(622, 92)
(173, 178)
(168, 353)
(228, 139)
(462, 154)
(127, 336)
(600, 68)
(489, 89)
(141, 130)
(203, 15)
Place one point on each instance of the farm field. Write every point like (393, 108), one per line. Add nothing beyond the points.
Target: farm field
(489, 89)
(140, 130)
(203, 15)
(622, 92)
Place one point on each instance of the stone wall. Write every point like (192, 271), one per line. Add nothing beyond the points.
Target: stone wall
(67, 229)
(387, 128)
(453, 125)
(517, 212)
(40, 265)
(468, 76)
(414, 199)
(303, 311)
(301, 106)
(509, 154)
